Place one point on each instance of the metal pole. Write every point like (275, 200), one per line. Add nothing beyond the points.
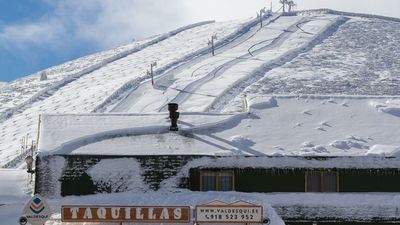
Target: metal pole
(151, 74)
(212, 45)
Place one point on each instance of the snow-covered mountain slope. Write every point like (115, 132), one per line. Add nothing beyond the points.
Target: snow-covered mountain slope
(361, 58)
(20, 93)
(2, 84)
(84, 93)
(318, 53)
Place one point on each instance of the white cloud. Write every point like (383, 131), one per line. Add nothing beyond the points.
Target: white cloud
(103, 23)
(107, 23)
(32, 33)
(122, 20)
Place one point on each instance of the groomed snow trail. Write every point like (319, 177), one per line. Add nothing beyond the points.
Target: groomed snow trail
(165, 77)
(84, 94)
(236, 87)
(199, 86)
(252, 51)
(39, 90)
(149, 99)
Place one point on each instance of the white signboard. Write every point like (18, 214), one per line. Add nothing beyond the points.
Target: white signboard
(37, 211)
(233, 213)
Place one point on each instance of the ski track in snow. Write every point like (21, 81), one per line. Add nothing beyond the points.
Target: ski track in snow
(135, 103)
(84, 94)
(115, 81)
(48, 91)
(219, 70)
(163, 77)
(237, 88)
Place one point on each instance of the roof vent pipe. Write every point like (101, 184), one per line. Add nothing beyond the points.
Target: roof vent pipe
(173, 115)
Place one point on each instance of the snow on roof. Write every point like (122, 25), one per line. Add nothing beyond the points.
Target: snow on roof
(13, 185)
(96, 80)
(343, 206)
(308, 126)
(91, 128)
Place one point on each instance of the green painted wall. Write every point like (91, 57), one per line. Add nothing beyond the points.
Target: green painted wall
(293, 180)
(75, 181)
(369, 181)
(263, 180)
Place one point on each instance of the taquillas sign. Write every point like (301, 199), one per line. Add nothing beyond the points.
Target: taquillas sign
(166, 214)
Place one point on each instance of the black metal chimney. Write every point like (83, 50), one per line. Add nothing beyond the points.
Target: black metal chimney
(173, 115)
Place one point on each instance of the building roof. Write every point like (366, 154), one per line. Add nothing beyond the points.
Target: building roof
(277, 126)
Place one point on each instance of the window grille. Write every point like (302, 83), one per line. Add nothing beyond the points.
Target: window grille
(322, 181)
(216, 181)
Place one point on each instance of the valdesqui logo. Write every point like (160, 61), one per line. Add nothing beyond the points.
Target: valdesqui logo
(37, 206)
(37, 211)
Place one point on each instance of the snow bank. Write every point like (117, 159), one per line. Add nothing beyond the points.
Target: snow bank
(391, 107)
(384, 150)
(352, 207)
(263, 102)
(127, 176)
(13, 185)
(348, 144)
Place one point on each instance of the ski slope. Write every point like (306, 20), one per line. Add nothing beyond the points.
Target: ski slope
(318, 125)
(311, 55)
(87, 91)
(199, 84)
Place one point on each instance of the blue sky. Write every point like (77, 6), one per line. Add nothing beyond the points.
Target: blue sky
(37, 34)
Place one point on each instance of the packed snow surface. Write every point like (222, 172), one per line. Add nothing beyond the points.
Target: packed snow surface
(2, 84)
(248, 60)
(14, 184)
(361, 58)
(89, 90)
(316, 125)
